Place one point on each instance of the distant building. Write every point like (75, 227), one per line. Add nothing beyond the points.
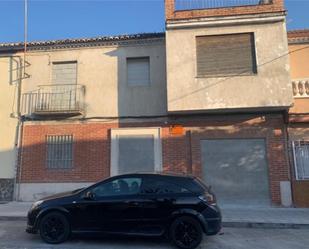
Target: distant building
(299, 116)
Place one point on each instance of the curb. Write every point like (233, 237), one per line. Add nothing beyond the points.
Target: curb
(13, 218)
(269, 225)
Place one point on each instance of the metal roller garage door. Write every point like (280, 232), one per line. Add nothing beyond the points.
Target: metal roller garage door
(237, 170)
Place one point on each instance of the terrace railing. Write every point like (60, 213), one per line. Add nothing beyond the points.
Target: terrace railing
(212, 4)
(301, 88)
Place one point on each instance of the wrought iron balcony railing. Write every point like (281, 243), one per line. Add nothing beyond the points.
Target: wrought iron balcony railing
(54, 100)
(301, 88)
(213, 4)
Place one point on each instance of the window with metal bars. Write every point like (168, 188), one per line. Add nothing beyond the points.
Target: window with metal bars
(225, 55)
(59, 151)
(301, 159)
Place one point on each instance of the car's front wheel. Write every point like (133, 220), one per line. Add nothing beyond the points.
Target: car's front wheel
(54, 228)
(186, 232)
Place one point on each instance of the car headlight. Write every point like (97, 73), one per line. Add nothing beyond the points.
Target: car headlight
(36, 204)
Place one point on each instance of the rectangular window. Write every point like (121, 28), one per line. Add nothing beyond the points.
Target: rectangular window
(59, 151)
(301, 159)
(64, 72)
(225, 55)
(138, 71)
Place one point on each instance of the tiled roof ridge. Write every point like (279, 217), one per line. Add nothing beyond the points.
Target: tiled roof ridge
(124, 37)
(298, 36)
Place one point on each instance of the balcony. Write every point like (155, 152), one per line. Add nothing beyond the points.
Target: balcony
(214, 4)
(300, 88)
(54, 100)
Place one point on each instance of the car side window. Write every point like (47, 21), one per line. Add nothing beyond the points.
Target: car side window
(118, 187)
(159, 186)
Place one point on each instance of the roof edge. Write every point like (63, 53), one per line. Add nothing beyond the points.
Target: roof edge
(80, 42)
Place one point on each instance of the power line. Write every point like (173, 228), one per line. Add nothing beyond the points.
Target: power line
(240, 74)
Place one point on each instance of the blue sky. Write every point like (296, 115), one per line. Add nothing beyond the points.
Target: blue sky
(60, 19)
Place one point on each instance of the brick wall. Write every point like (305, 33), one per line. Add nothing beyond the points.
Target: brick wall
(181, 153)
(91, 153)
(171, 14)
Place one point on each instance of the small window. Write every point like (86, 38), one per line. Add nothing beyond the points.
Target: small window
(301, 159)
(138, 71)
(159, 186)
(59, 152)
(225, 55)
(118, 187)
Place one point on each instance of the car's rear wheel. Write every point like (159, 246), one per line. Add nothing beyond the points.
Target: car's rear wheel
(186, 232)
(54, 228)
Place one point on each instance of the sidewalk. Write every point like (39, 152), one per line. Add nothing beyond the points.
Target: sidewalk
(14, 210)
(266, 217)
(233, 216)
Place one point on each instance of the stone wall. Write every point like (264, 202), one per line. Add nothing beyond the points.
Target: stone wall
(6, 189)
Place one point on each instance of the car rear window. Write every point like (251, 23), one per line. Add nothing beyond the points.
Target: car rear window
(162, 186)
(193, 185)
(201, 184)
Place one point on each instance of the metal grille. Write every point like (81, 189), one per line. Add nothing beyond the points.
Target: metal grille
(59, 151)
(211, 4)
(301, 159)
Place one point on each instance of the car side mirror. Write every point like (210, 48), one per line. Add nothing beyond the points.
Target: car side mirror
(89, 196)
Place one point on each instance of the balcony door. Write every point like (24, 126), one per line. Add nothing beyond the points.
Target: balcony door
(64, 80)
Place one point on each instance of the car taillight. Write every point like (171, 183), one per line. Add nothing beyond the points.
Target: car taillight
(208, 197)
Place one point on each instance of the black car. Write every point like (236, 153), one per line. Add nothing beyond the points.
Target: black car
(180, 207)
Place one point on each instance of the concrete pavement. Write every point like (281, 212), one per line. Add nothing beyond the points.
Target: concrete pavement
(13, 236)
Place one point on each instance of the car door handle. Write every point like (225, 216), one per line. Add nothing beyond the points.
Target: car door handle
(166, 199)
(133, 203)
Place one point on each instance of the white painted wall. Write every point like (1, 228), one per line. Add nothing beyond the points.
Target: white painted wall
(36, 191)
(103, 71)
(269, 88)
(7, 123)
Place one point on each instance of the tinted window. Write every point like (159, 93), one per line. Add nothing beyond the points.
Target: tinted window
(191, 184)
(120, 186)
(160, 186)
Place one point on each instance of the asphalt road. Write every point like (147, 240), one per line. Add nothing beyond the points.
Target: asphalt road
(13, 236)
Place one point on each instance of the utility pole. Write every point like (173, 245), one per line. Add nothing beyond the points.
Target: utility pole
(19, 130)
(25, 33)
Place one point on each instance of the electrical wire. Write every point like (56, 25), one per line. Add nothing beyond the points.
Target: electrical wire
(237, 75)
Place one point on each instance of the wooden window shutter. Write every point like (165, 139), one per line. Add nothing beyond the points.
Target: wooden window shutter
(223, 55)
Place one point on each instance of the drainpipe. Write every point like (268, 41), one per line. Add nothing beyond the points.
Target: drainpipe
(18, 136)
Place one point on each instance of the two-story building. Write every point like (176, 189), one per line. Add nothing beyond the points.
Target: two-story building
(299, 116)
(208, 97)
